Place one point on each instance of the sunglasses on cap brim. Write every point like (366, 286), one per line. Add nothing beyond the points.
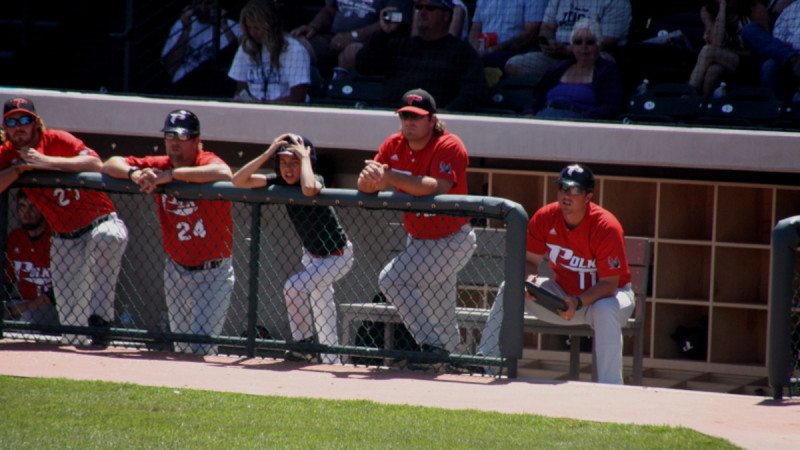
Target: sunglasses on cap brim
(179, 135)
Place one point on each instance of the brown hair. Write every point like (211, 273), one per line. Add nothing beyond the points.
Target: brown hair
(262, 14)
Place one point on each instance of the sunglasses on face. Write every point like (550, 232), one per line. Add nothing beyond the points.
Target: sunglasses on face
(428, 8)
(178, 135)
(589, 41)
(571, 190)
(24, 120)
(405, 115)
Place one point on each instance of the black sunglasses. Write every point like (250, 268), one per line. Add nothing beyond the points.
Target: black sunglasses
(571, 190)
(405, 115)
(584, 41)
(428, 8)
(24, 120)
(179, 135)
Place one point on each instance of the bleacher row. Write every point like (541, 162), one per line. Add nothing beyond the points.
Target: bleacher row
(669, 99)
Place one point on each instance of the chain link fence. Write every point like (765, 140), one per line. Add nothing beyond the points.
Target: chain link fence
(269, 278)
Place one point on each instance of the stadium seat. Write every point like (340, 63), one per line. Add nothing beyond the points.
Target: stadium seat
(743, 105)
(359, 91)
(512, 93)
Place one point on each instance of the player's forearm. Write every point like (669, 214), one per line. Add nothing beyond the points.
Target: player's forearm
(202, 174)
(418, 186)
(116, 167)
(8, 177)
(83, 163)
(246, 177)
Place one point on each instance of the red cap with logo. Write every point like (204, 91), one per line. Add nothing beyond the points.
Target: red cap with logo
(19, 104)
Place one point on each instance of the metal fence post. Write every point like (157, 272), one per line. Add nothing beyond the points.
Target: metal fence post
(785, 239)
(252, 295)
(3, 236)
(511, 329)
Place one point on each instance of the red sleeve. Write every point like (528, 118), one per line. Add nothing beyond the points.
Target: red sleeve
(62, 143)
(7, 156)
(537, 233)
(208, 158)
(449, 160)
(609, 250)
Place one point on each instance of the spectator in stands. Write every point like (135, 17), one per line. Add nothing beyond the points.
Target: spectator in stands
(327, 253)
(335, 35)
(584, 86)
(776, 7)
(502, 28)
(28, 267)
(724, 49)
(197, 235)
(614, 17)
(270, 66)
(583, 245)
(433, 60)
(459, 25)
(424, 159)
(778, 53)
(189, 54)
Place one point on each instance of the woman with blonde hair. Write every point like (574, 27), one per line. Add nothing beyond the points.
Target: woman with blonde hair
(270, 66)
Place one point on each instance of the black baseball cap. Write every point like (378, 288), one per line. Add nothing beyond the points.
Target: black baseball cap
(444, 4)
(307, 143)
(417, 101)
(576, 175)
(182, 121)
(19, 104)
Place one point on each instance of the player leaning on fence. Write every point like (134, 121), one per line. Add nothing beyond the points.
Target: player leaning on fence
(197, 234)
(424, 159)
(584, 247)
(327, 253)
(88, 238)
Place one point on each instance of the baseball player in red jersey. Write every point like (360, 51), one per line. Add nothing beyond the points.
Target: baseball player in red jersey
(197, 234)
(424, 159)
(584, 247)
(88, 238)
(28, 267)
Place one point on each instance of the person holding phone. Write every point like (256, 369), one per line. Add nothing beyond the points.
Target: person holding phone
(583, 246)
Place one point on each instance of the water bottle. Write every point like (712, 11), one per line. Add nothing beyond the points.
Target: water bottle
(720, 91)
(643, 87)
(126, 319)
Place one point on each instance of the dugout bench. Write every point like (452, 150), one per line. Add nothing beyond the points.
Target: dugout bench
(638, 251)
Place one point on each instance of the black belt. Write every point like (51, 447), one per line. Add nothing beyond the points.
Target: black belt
(211, 264)
(80, 232)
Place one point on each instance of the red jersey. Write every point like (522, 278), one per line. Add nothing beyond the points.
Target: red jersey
(193, 231)
(579, 257)
(28, 263)
(64, 209)
(443, 157)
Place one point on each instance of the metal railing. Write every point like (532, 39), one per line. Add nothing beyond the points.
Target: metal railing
(784, 316)
(266, 251)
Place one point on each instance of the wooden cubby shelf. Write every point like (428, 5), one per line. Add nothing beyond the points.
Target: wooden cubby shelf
(710, 268)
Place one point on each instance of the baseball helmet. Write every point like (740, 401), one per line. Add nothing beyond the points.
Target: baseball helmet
(576, 175)
(182, 121)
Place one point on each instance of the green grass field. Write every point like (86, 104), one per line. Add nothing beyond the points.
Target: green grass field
(57, 413)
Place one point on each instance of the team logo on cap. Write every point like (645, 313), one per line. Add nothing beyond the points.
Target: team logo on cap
(175, 116)
(413, 98)
(18, 102)
(573, 169)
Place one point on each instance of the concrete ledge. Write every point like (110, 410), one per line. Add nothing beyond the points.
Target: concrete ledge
(490, 137)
